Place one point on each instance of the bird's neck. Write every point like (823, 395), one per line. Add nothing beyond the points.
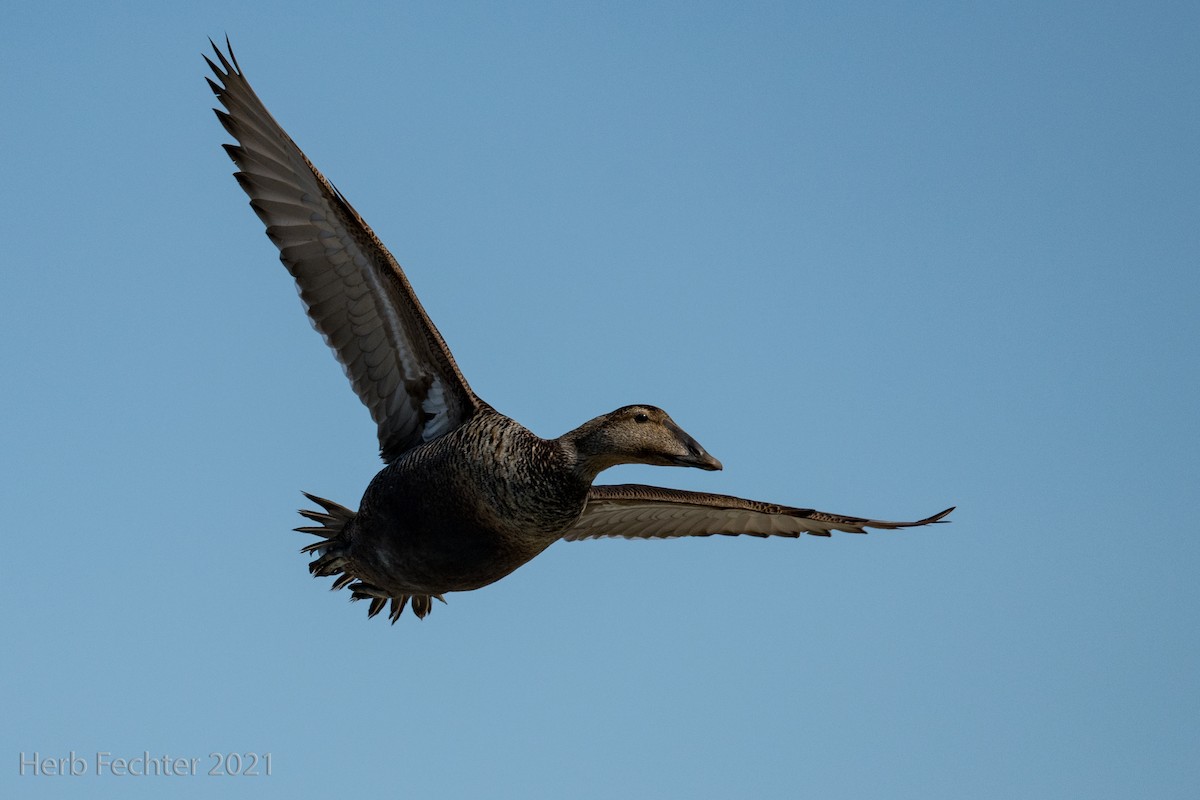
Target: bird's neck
(588, 450)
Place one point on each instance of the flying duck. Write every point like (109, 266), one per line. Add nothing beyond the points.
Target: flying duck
(467, 495)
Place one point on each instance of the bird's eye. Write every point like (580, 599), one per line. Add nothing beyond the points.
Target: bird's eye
(640, 417)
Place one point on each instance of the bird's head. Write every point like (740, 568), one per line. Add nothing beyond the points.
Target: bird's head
(637, 434)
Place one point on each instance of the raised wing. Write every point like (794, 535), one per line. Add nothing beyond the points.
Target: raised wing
(353, 289)
(649, 512)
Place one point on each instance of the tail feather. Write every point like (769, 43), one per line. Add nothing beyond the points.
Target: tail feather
(334, 509)
(376, 606)
(333, 560)
(398, 604)
(317, 516)
(331, 563)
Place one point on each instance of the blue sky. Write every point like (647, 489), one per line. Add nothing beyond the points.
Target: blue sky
(878, 260)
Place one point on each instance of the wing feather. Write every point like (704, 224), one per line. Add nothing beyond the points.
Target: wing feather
(635, 511)
(354, 291)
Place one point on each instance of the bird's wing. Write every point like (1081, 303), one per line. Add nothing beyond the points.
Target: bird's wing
(354, 291)
(649, 512)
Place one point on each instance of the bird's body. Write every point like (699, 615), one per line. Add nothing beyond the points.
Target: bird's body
(467, 495)
(514, 495)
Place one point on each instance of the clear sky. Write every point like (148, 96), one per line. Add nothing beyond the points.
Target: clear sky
(877, 260)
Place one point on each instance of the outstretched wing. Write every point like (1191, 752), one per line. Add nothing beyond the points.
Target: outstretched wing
(354, 291)
(649, 512)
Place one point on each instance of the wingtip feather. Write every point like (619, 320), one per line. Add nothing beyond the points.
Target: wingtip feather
(938, 517)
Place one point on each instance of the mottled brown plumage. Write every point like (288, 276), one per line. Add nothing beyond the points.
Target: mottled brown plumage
(468, 495)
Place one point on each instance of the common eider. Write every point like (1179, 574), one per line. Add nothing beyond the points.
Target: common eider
(467, 495)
